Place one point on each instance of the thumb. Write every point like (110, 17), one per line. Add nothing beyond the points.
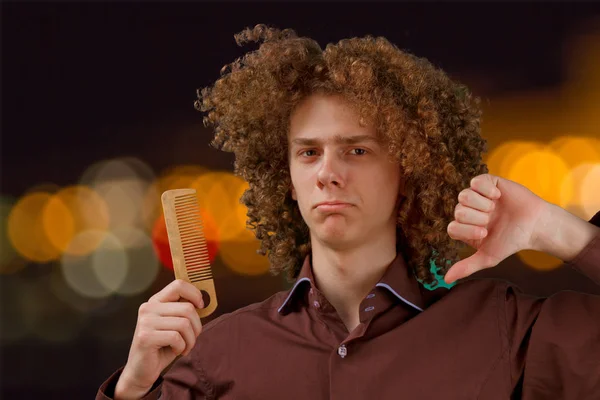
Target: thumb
(466, 267)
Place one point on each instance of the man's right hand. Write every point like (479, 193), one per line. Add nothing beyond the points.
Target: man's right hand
(167, 326)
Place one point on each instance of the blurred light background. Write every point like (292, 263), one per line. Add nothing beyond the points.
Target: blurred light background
(98, 121)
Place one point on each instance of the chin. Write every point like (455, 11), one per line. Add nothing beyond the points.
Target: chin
(335, 236)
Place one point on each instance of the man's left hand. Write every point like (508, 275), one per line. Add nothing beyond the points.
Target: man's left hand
(498, 217)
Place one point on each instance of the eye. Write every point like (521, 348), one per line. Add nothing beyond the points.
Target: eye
(360, 150)
(306, 151)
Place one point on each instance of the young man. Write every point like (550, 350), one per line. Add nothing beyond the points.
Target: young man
(364, 163)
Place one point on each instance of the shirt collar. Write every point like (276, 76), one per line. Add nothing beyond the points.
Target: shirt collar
(397, 279)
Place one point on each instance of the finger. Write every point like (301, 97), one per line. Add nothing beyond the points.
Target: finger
(158, 339)
(486, 185)
(179, 289)
(463, 232)
(183, 310)
(472, 199)
(470, 216)
(182, 325)
(468, 266)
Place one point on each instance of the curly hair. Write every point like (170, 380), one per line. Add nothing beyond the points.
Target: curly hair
(430, 123)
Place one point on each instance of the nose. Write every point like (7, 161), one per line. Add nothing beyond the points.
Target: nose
(331, 171)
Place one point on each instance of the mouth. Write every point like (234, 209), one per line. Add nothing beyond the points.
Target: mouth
(332, 206)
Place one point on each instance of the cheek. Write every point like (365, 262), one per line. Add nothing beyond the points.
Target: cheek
(385, 190)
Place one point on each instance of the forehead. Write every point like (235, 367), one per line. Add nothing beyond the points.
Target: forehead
(328, 118)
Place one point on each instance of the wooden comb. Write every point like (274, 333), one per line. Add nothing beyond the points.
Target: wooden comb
(188, 243)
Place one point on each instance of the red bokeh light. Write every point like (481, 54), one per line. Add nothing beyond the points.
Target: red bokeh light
(160, 240)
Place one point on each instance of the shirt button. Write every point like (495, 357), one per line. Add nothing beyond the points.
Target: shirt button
(342, 351)
(316, 304)
(369, 308)
(310, 291)
(370, 296)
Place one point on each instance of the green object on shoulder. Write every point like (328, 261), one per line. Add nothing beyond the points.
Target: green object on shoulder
(439, 279)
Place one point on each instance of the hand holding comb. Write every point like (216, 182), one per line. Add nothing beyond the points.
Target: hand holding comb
(189, 251)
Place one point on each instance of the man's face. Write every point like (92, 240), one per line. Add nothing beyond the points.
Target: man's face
(333, 158)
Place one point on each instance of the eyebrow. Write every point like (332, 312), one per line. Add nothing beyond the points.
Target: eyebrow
(338, 139)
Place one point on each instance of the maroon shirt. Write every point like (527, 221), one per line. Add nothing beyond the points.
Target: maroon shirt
(482, 339)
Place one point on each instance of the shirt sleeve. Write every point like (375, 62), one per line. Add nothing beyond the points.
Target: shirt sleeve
(184, 380)
(553, 344)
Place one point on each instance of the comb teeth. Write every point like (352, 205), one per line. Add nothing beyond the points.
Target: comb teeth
(193, 242)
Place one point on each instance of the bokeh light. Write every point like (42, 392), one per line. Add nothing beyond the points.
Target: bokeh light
(142, 262)
(240, 256)
(160, 240)
(571, 190)
(110, 263)
(501, 159)
(10, 260)
(123, 199)
(26, 229)
(71, 298)
(576, 150)
(544, 173)
(70, 211)
(218, 194)
(178, 177)
(122, 183)
(538, 260)
(79, 271)
(124, 168)
(590, 191)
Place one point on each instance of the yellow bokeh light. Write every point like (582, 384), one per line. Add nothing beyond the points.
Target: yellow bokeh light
(502, 158)
(544, 173)
(590, 192)
(10, 260)
(218, 195)
(538, 260)
(576, 150)
(58, 223)
(26, 229)
(494, 158)
(71, 211)
(570, 191)
(178, 177)
(239, 255)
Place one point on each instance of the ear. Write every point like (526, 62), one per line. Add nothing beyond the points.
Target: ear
(294, 193)
(402, 187)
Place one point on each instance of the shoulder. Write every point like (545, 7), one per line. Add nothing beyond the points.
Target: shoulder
(482, 287)
(227, 336)
(255, 312)
(485, 292)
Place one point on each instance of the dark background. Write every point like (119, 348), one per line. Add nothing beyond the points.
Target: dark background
(82, 82)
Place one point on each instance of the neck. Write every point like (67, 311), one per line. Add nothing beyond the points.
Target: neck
(346, 276)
